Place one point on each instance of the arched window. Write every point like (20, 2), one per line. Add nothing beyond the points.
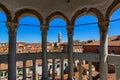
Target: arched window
(57, 35)
(29, 35)
(3, 42)
(114, 32)
(3, 34)
(86, 33)
(29, 40)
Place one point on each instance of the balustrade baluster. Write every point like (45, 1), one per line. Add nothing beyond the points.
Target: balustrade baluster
(80, 70)
(117, 71)
(62, 71)
(53, 70)
(24, 70)
(90, 70)
(34, 69)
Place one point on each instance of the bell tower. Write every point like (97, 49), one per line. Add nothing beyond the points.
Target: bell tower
(59, 37)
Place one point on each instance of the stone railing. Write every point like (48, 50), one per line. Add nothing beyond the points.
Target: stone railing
(54, 59)
(114, 60)
(61, 59)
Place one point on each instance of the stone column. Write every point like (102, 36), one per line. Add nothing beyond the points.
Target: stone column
(12, 30)
(44, 52)
(70, 52)
(103, 50)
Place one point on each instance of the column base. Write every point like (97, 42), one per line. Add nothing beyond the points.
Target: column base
(45, 78)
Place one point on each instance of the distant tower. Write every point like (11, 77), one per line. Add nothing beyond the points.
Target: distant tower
(59, 37)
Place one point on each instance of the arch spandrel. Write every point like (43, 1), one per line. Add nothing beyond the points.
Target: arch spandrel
(92, 11)
(56, 14)
(112, 8)
(27, 12)
(6, 11)
(78, 14)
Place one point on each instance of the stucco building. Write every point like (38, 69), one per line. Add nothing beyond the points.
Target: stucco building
(113, 46)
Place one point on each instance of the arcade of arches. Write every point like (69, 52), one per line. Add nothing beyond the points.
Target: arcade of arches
(45, 11)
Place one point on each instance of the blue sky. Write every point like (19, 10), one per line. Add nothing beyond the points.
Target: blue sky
(114, 28)
(32, 34)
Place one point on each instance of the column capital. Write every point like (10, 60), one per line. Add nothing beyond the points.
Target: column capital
(11, 24)
(12, 27)
(70, 29)
(103, 26)
(44, 28)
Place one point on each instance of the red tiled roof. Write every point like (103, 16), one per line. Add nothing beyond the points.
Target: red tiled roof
(29, 63)
(112, 41)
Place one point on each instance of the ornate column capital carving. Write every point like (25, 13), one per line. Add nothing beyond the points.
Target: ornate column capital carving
(12, 28)
(44, 29)
(70, 29)
(103, 26)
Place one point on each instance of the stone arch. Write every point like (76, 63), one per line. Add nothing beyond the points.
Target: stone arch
(56, 14)
(112, 8)
(6, 11)
(27, 12)
(93, 11)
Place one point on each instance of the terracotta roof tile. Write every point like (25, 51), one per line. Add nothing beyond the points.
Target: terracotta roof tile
(111, 42)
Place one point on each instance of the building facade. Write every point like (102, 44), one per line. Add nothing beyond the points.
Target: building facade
(113, 46)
